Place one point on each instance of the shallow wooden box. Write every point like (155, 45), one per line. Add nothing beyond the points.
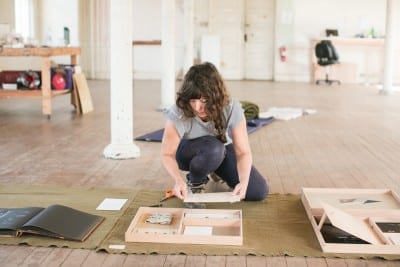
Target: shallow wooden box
(189, 226)
(354, 220)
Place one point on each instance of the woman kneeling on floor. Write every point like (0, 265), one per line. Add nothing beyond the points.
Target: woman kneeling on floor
(205, 134)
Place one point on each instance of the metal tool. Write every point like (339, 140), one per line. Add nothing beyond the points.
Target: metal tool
(168, 194)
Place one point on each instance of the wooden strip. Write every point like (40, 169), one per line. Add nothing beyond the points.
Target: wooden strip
(195, 261)
(77, 257)
(83, 91)
(39, 51)
(113, 260)
(336, 262)
(175, 260)
(216, 261)
(154, 260)
(259, 261)
(37, 256)
(94, 259)
(316, 262)
(135, 260)
(75, 98)
(152, 42)
(296, 262)
(276, 261)
(212, 197)
(237, 261)
(17, 257)
(5, 251)
(56, 257)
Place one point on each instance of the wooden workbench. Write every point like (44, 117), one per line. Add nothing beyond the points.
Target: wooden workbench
(46, 94)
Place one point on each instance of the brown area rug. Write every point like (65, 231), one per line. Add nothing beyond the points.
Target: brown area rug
(84, 199)
(275, 227)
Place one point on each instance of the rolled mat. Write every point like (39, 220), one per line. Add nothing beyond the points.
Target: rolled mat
(250, 109)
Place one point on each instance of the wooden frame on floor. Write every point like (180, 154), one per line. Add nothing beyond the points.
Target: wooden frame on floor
(354, 220)
(189, 226)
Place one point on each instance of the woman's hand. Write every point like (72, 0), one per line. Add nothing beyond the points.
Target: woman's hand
(240, 190)
(180, 189)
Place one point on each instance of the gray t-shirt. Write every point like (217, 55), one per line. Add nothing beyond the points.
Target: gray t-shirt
(190, 128)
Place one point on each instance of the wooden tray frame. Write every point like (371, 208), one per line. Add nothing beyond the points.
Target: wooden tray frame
(226, 226)
(330, 205)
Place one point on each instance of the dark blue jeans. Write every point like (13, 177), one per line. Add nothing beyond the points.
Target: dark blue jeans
(206, 154)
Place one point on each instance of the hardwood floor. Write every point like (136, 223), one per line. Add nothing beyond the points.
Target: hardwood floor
(353, 141)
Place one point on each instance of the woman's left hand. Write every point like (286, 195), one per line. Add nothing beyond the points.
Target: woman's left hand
(240, 190)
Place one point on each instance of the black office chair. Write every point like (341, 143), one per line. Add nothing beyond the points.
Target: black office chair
(327, 56)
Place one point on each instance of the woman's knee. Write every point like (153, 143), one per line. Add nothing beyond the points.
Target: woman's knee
(209, 155)
(257, 189)
(213, 148)
(258, 194)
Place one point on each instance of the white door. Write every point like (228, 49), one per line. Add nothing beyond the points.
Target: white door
(259, 39)
(226, 20)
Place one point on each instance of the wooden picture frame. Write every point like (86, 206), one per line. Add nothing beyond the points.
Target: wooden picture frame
(354, 220)
(188, 226)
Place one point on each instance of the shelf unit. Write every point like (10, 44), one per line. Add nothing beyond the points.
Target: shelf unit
(45, 53)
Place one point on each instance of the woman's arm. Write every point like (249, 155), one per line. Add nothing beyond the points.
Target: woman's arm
(169, 145)
(244, 158)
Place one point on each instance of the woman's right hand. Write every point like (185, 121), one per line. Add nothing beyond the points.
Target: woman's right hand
(180, 189)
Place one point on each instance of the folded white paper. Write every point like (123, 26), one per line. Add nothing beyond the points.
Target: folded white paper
(112, 204)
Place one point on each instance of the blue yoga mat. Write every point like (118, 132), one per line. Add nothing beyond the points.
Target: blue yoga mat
(252, 126)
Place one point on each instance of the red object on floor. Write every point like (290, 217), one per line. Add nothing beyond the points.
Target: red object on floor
(58, 82)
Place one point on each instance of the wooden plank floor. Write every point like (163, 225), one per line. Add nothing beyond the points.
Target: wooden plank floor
(352, 141)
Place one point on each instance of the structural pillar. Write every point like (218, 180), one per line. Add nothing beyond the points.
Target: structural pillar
(121, 82)
(188, 26)
(168, 54)
(389, 48)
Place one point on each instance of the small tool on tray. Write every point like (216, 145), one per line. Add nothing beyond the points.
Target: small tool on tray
(169, 193)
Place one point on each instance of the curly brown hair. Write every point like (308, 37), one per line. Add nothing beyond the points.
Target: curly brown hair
(204, 80)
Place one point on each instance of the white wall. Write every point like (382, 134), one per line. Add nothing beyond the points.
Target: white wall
(300, 21)
(146, 27)
(57, 14)
(7, 13)
(54, 14)
(297, 22)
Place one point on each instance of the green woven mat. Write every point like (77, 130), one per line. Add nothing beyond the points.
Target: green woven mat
(274, 227)
(84, 199)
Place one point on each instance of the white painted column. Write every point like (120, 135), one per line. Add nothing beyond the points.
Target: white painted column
(121, 82)
(188, 26)
(168, 54)
(389, 48)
